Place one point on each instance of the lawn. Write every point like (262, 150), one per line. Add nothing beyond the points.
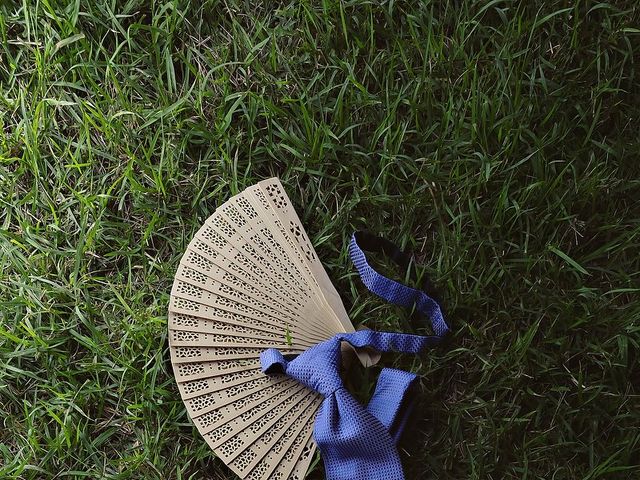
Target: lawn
(498, 140)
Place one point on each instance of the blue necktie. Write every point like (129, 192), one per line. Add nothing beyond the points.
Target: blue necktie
(359, 442)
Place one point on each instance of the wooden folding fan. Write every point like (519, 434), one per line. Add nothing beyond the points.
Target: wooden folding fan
(251, 280)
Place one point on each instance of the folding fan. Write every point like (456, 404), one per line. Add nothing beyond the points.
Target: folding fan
(250, 280)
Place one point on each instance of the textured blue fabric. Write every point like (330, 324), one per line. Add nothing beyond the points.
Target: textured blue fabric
(395, 292)
(359, 442)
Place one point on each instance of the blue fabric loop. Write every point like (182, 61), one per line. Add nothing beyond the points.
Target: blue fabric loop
(395, 292)
(359, 442)
(273, 361)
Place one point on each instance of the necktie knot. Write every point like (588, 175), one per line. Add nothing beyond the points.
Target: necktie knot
(317, 368)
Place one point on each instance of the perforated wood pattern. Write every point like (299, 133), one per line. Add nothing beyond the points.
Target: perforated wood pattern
(249, 280)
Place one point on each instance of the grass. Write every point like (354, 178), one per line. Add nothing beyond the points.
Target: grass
(497, 139)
